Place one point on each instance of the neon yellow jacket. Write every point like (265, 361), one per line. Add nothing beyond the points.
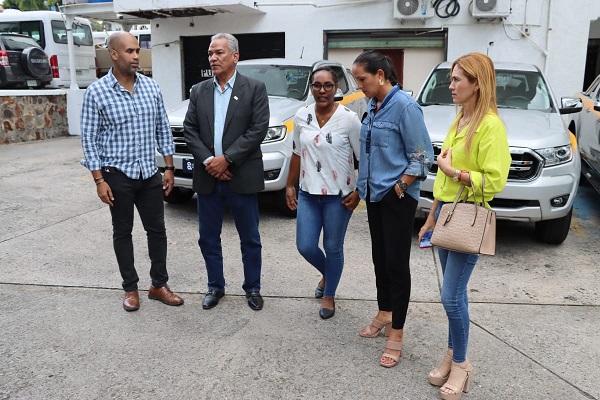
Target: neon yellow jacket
(490, 156)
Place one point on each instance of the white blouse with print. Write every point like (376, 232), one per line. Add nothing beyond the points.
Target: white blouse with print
(326, 162)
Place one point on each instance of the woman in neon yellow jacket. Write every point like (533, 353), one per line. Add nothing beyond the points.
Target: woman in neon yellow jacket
(475, 150)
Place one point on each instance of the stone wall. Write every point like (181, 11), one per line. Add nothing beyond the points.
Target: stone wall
(32, 116)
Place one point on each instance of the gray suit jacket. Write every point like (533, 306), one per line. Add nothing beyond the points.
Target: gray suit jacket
(245, 128)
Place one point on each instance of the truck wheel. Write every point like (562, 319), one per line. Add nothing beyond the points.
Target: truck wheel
(553, 231)
(179, 195)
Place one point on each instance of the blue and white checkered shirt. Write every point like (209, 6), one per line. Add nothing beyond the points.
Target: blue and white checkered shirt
(121, 130)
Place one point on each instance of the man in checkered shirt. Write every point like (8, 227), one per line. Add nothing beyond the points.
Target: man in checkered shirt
(122, 118)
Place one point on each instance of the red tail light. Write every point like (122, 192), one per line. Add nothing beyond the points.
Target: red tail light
(4, 58)
(54, 66)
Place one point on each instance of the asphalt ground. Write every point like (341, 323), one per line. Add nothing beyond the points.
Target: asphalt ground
(64, 335)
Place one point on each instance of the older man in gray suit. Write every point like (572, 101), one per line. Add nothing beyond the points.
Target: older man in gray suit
(225, 124)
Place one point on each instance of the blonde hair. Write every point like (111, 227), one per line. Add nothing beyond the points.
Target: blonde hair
(478, 68)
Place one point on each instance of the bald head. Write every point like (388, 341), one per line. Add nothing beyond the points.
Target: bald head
(124, 51)
(116, 40)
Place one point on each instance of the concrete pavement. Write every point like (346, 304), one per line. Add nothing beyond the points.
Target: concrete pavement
(534, 307)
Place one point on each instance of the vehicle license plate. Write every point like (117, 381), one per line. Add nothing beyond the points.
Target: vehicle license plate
(187, 165)
(31, 82)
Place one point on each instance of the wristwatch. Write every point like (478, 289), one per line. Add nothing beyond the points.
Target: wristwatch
(227, 158)
(403, 185)
(169, 168)
(456, 176)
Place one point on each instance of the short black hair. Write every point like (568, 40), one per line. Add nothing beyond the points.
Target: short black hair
(324, 68)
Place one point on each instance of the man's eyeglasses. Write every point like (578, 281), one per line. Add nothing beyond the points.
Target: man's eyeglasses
(317, 86)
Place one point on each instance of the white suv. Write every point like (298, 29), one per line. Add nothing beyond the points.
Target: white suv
(287, 86)
(544, 173)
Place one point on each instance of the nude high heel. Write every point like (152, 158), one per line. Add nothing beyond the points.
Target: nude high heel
(375, 329)
(392, 345)
(435, 377)
(458, 381)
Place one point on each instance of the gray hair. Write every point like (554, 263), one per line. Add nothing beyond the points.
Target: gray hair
(232, 42)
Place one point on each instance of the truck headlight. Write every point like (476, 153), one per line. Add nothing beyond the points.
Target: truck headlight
(556, 155)
(275, 133)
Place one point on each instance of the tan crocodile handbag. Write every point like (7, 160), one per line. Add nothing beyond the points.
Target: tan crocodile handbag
(466, 227)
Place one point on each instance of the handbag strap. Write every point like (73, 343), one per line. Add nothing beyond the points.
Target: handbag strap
(458, 196)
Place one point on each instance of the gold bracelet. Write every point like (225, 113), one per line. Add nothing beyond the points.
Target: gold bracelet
(99, 181)
(99, 178)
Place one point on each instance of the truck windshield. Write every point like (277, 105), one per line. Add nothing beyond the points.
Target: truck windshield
(281, 80)
(525, 90)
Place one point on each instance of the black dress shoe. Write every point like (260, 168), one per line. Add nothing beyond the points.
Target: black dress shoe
(326, 313)
(319, 291)
(255, 300)
(212, 298)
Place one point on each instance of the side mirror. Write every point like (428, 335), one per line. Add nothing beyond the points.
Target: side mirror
(339, 96)
(571, 105)
(410, 93)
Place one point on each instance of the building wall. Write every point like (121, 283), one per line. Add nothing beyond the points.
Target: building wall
(27, 116)
(556, 44)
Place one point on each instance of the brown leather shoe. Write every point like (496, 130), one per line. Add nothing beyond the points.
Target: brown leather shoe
(131, 301)
(165, 295)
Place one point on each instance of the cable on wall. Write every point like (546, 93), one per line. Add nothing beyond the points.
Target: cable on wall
(451, 8)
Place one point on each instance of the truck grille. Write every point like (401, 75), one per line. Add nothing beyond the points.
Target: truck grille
(178, 139)
(525, 165)
(498, 203)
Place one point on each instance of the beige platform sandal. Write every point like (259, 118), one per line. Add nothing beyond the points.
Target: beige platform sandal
(458, 381)
(435, 377)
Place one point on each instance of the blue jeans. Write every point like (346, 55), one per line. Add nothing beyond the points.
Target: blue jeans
(325, 213)
(457, 269)
(244, 208)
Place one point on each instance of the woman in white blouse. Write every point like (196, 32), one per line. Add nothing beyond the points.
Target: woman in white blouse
(326, 136)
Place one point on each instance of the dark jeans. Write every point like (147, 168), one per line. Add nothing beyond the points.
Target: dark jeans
(391, 226)
(147, 196)
(244, 208)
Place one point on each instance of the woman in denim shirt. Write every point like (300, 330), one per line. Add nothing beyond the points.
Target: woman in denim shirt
(475, 150)
(395, 156)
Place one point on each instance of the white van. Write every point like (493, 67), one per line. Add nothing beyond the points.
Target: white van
(48, 29)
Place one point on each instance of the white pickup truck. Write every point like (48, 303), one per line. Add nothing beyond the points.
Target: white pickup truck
(545, 169)
(586, 126)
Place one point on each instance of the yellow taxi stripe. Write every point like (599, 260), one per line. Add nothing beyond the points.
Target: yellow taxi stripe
(352, 97)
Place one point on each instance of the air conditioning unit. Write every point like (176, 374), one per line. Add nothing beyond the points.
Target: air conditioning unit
(490, 9)
(412, 9)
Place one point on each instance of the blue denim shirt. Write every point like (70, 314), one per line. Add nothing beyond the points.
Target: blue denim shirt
(399, 145)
